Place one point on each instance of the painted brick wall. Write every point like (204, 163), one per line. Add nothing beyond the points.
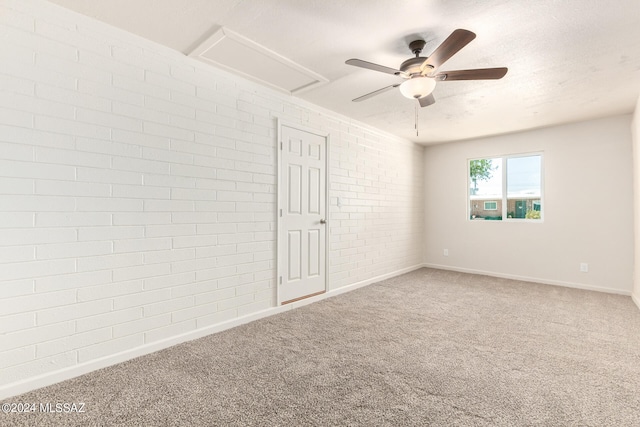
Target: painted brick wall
(138, 193)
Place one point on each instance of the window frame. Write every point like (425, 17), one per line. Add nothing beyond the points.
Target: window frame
(504, 198)
(490, 209)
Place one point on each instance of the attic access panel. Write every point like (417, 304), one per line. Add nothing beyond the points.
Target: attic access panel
(239, 55)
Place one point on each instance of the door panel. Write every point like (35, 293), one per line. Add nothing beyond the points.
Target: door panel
(314, 253)
(302, 234)
(295, 253)
(314, 191)
(521, 208)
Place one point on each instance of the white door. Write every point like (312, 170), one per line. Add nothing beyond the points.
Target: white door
(302, 223)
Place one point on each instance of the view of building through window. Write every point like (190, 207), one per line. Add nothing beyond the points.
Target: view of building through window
(506, 187)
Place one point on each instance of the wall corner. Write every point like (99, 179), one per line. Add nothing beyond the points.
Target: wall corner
(635, 149)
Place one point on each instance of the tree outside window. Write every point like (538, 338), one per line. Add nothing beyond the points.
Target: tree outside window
(480, 170)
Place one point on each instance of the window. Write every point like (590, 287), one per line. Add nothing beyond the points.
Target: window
(508, 187)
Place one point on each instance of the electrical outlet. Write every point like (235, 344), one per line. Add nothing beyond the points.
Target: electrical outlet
(445, 252)
(584, 267)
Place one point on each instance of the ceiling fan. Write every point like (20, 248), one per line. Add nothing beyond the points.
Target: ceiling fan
(421, 73)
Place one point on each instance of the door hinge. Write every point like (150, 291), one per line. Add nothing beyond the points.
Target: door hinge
(281, 145)
(281, 280)
(280, 212)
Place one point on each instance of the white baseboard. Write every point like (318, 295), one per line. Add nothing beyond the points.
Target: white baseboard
(20, 387)
(354, 286)
(635, 299)
(529, 279)
(67, 373)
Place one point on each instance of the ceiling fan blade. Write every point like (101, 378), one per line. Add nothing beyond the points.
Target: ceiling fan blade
(456, 41)
(372, 66)
(477, 74)
(426, 100)
(375, 92)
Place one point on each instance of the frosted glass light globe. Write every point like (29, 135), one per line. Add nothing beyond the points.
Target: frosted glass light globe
(417, 87)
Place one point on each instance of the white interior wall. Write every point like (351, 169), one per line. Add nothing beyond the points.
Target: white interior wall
(588, 203)
(138, 196)
(635, 132)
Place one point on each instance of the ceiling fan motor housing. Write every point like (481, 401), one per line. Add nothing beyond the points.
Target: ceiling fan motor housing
(411, 66)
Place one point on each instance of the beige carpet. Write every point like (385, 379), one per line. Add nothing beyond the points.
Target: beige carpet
(427, 348)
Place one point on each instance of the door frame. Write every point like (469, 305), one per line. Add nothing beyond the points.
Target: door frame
(279, 205)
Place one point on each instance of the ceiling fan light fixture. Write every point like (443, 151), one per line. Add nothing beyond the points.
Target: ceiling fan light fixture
(417, 87)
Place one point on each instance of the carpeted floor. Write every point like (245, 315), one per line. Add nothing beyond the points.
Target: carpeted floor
(430, 347)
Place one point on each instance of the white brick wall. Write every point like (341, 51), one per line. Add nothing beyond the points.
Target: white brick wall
(138, 193)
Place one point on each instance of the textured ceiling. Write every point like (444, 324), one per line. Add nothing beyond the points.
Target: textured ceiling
(568, 60)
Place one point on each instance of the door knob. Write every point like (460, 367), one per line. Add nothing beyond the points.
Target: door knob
(323, 221)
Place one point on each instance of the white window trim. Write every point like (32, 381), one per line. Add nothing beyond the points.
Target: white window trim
(504, 199)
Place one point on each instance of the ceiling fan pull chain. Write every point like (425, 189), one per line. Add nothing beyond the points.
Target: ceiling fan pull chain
(417, 131)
